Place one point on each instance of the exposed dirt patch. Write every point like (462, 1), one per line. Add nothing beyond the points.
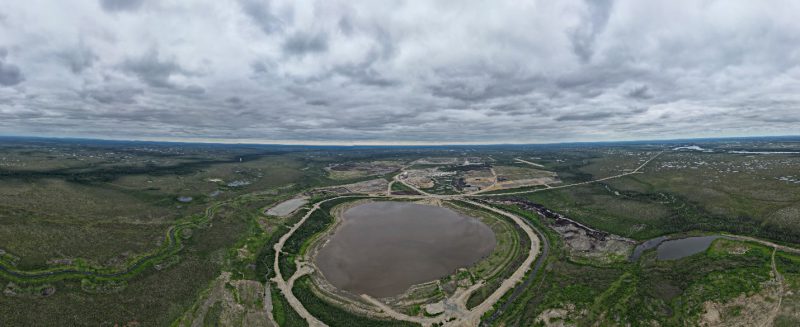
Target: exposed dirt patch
(373, 186)
(287, 207)
(514, 177)
(436, 161)
(424, 178)
(34, 291)
(580, 240)
(584, 243)
(350, 170)
(755, 310)
(231, 303)
(557, 317)
(435, 308)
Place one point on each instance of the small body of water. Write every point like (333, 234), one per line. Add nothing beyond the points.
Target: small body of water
(383, 248)
(684, 247)
(647, 245)
(667, 249)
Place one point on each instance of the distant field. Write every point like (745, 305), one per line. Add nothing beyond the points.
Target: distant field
(105, 221)
(57, 208)
(685, 191)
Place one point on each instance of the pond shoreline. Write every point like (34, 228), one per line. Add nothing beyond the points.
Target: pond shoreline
(425, 243)
(677, 246)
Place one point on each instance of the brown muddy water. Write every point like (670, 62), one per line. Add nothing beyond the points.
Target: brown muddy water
(383, 248)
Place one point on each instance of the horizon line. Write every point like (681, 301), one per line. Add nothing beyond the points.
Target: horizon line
(211, 141)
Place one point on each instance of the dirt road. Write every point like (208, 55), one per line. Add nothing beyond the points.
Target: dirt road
(635, 171)
(284, 286)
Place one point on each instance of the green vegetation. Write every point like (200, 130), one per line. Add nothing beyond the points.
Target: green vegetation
(151, 297)
(164, 256)
(283, 313)
(511, 249)
(333, 315)
(648, 212)
(401, 188)
(103, 233)
(663, 292)
(107, 237)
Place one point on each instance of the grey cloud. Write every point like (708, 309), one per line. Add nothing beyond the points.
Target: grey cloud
(78, 59)
(234, 100)
(484, 85)
(593, 80)
(259, 67)
(585, 116)
(365, 75)
(153, 70)
(346, 26)
(583, 36)
(640, 92)
(780, 120)
(302, 43)
(318, 103)
(343, 71)
(10, 74)
(364, 72)
(238, 103)
(194, 89)
(113, 96)
(120, 5)
(260, 13)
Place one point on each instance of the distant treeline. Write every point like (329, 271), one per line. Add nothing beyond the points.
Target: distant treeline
(110, 173)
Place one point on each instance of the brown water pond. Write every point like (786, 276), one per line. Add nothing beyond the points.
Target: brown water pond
(383, 248)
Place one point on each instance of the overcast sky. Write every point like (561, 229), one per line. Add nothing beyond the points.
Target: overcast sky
(399, 71)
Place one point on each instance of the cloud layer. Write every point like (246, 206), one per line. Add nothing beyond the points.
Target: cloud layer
(399, 71)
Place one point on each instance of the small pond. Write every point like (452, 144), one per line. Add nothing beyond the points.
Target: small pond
(684, 247)
(667, 249)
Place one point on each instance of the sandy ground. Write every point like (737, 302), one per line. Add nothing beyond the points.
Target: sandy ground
(528, 162)
(287, 207)
(286, 286)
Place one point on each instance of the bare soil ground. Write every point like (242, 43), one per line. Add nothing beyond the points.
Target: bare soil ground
(581, 242)
(742, 311)
(376, 186)
(232, 303)
(559, 317)
(287, 207)
(436, 161)
(351, 170)
(508, 177)
(373, 186)
(480, 179)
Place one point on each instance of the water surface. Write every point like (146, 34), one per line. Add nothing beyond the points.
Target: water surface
(684, 247)
(646, 245)
(383, 248)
